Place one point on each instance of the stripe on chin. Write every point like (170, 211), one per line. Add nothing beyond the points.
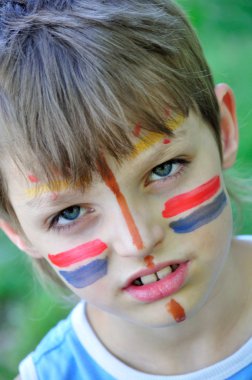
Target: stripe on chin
(200, 217)
(87, 274)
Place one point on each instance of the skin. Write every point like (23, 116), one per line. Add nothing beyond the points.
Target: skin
(215, 297)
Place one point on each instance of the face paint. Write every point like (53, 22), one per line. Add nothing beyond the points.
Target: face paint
(176, 310)
(191, 199)
(200, 217)
(77, 254)
(173, 124)
(167, 112)
(149, 261)
(137, 130)
(32, 178)
(86, 275)
(146, 142)
(110, 180)
(166, 141)
(47, 188)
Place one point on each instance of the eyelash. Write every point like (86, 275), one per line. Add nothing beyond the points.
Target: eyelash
(57, 227)
(169, 177)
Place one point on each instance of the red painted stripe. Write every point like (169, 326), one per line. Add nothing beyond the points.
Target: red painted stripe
(110, 180)
(186, 201)
(32, 178)
(82, 252)
(137, 129)
(166, 141)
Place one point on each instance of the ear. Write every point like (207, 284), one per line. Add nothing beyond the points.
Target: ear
(228, 124)
(18, 239)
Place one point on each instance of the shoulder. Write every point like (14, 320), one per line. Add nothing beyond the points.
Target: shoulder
(58, 352)
(56, 340)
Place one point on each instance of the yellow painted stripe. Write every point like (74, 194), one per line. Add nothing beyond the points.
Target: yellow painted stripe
(174, 124)
(47, 188)
(152, 138)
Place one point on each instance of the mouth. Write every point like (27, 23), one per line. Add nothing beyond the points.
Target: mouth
(157, 283)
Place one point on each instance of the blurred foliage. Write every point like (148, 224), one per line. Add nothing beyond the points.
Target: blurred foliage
(26, 310)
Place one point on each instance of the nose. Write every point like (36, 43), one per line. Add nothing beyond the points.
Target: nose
(130, 234)
(124, 243)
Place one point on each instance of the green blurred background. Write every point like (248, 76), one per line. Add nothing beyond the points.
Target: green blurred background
(26, 310)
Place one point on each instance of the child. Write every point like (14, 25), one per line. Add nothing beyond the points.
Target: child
(113, 142)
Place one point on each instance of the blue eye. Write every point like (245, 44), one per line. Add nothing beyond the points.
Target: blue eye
(70, 213)
(68, 216)
(163, 170)
(168, 169)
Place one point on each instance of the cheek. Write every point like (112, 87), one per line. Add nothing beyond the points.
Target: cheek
(84, 275)
(204, 214)
(82, 252)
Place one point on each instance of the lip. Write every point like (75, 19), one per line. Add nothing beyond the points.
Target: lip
(165, 287)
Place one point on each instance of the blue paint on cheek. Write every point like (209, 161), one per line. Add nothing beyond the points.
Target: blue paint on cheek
(200, 217)
(87, 274)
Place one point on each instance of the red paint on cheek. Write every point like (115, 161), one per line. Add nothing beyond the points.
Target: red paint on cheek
(33, 179)
(81, 252)
(149, 261)
(193, 198)
(176, 310)
(110, 180)
(137, 130)
(166, 141)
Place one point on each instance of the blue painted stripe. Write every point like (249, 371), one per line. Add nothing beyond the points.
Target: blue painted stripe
(87, 274)
(200, 217)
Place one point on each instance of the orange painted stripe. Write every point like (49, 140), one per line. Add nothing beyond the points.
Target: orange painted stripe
(110, 180)
(176, 310)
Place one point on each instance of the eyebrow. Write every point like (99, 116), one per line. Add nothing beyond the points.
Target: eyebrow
(151, 138)
(146, 142)
(41, 199)
(53, 186)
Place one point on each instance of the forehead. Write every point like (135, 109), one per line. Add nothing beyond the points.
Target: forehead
(146, 148)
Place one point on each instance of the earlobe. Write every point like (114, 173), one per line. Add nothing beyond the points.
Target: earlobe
(17, 239)
(228, 124)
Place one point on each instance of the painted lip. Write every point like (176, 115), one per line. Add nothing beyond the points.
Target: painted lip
(165, 287)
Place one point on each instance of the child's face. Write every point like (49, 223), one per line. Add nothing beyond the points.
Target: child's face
(148, 239)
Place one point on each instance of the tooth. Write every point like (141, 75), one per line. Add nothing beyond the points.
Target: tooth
(164, 272)
(149, 279)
